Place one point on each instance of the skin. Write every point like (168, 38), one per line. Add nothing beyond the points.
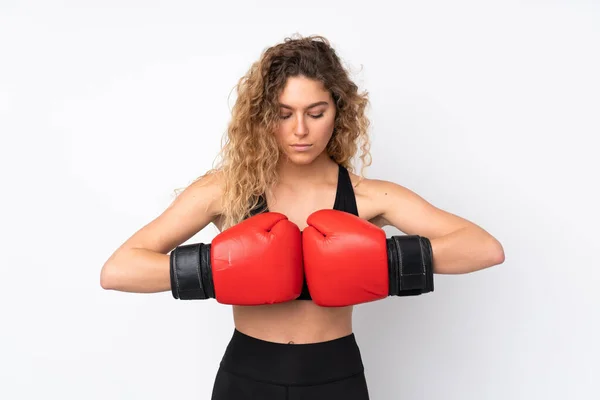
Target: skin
(308, 182)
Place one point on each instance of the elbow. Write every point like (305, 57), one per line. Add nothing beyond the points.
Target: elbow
(498, 253)
(107, 277)
(501, 257)
(110, 275)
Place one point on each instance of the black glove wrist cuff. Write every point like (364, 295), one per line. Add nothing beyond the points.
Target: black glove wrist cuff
(191, 273)
(410, 265)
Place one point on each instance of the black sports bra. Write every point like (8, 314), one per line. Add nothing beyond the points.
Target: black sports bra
(345, 200)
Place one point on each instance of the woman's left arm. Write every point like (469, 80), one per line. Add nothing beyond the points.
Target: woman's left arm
(459, 246)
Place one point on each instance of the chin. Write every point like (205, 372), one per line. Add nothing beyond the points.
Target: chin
(301, 158)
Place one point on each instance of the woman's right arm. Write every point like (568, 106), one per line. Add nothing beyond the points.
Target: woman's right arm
(141, 264)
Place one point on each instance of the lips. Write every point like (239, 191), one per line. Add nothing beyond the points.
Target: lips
(301, 147)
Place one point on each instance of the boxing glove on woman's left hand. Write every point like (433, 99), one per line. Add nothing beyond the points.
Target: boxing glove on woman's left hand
(348, 261)
(258, 261)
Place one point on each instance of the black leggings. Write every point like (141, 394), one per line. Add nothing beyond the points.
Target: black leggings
(256, 369)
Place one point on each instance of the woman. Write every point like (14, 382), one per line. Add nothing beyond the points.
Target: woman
(296, 124)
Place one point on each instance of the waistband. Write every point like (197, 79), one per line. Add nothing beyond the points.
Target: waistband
(292, 364)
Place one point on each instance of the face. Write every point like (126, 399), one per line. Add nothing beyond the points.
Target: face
(306, 119)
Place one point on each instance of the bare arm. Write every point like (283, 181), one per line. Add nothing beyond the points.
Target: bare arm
(141, 264)
(459, 246)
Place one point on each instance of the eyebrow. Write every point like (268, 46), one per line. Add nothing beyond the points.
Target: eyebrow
(319, 103)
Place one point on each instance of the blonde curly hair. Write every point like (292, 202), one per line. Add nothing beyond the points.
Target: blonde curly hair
(250, 153)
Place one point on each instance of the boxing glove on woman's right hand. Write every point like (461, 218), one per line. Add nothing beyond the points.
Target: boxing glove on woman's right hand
(258, 261)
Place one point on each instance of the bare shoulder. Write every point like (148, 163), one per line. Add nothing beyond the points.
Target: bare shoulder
(201, 200)
(204, 194)
(390, 203)
(374, 190)
(370, 196)
(193, 209)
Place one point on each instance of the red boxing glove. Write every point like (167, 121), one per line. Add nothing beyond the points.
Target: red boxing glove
(348, 260)
(345, 259)
(258, 261)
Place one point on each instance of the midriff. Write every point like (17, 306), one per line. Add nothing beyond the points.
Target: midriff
(297, 322)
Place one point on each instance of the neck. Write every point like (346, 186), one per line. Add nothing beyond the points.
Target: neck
(298, 175)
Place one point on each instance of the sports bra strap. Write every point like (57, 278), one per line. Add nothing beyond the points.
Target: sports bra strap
(345, 200)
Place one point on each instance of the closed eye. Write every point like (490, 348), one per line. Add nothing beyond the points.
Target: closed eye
(312, 116)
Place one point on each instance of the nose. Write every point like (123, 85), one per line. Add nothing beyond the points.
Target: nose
(301, 128)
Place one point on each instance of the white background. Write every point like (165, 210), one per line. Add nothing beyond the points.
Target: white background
(487, 109)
